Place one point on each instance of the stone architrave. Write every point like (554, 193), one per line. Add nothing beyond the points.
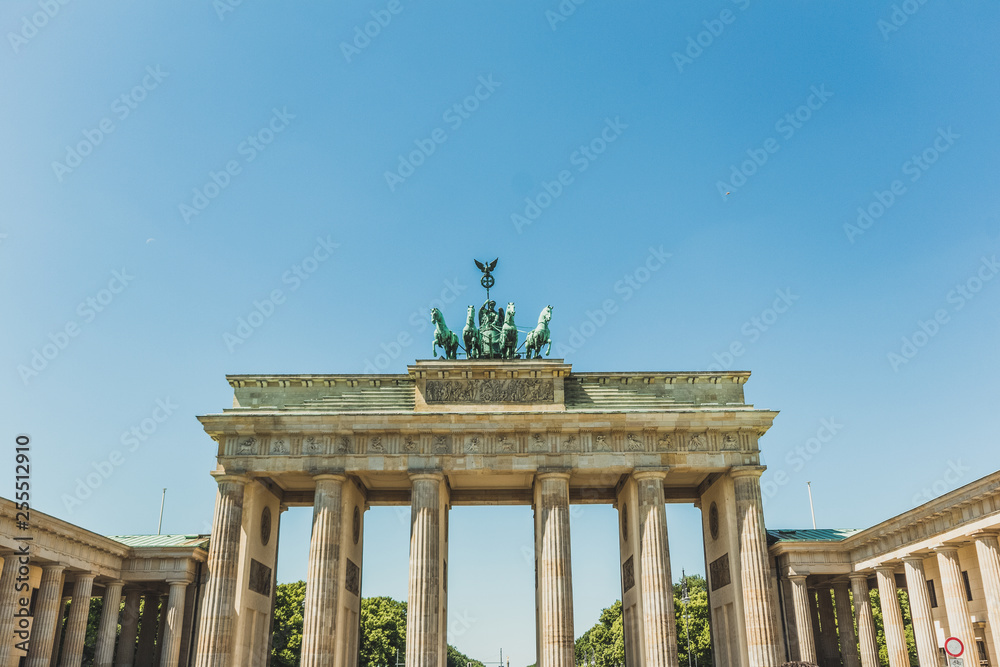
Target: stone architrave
(319, 632)
(555, 573)
(659, 626)
(803, 619)
(130, 626)
(892, 617)
(217, 627)
(172, 621)
(955, 602)
(8, 605)
(845, 625)
(426, 624)
(866, 622)
(988, 554)
(47, 606)
(107, 630)
(920, 610)
(754, 567)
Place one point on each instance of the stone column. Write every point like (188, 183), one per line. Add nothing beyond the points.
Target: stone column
(554, 568)
(866, 623)
(659, 626)
(147, 629)
(107, 631)
(76, 625)
(8, 605)
(161, 629)
(424, 625)
(828, 631)
(217, 627)
(892, 617)
(803, 619)
(319, 629)
(988, 554)
(47, 608)
(920, 611)
(130, 623)
(845, 625)
(173, 621)
(955, 602)
(760, 631)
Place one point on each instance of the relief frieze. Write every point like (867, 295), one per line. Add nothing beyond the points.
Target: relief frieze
(515, 390)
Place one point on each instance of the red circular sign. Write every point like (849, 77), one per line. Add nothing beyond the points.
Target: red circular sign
(954, 647)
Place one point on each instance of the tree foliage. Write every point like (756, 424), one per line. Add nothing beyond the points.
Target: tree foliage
(383, 630)
(289, 610)
(606, 640)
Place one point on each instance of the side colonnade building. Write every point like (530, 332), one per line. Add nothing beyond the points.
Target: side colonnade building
(943, 554)
(161, 575)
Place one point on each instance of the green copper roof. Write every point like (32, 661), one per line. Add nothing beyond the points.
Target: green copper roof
(810, 535)
(161, 540)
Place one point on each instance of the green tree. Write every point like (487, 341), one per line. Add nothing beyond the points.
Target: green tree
(383, 631)
(606, 640)
(458, 659)
(697, 627)
(289, 609)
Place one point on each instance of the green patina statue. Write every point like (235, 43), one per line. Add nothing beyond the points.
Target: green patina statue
(443, 336)
(539, 336)
(496, 337)
(471, 336)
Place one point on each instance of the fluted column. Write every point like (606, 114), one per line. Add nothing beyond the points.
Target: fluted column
(866, 622)
(76, 625)
(920, 611)
(659, 626)
(555, 573)
(754, 567)
(173, 619)
(892, 617)
(424, 624)
(47, 607)
(218, 617)
(319, 630)
(147, 629)
(130, 624)
(828, 628)
(8, 605)
(988, 554)
(956, 604)
(107, 631)
(845, 625)
(803, 619)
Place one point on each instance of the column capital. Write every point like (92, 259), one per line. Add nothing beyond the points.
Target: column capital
(437, 475)
(552, 473)
(945, 549)
(746, 471)
(910, 558)
(53, 567)
(640, 474)
(797, 578)
(985, 535)
(83, 576)
(886, 568)
(221, 477)
(179, 581)
(339, 476)
(858, 575)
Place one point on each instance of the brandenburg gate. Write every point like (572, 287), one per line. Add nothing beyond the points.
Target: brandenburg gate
(493, 428)
(487, 431)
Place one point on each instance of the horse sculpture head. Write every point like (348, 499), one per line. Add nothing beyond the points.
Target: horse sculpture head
(436, 316)
(471, 316)
(509, 315)
(546, 315)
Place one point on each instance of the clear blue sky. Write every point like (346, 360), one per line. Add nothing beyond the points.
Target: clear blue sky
(309, 128)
